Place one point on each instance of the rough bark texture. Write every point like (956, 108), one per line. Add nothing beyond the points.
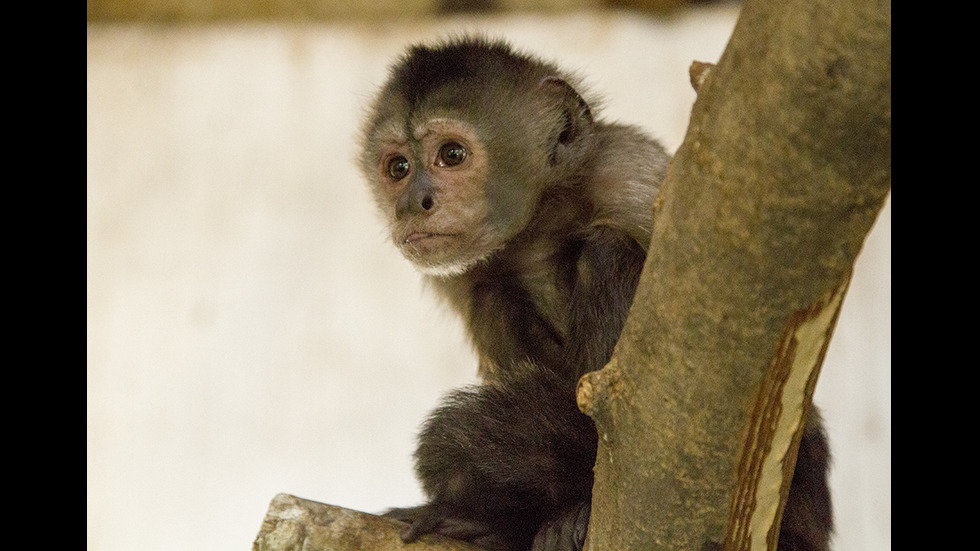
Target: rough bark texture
(292, 523)
(785, 166)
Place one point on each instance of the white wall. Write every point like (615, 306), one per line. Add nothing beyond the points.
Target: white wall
(251, 332)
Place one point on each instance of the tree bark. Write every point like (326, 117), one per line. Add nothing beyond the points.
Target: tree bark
(785, 166)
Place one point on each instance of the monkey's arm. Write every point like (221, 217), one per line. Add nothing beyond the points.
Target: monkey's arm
(607, 273)
(499, 460)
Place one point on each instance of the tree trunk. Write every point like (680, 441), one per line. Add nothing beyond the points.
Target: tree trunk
(785, 166)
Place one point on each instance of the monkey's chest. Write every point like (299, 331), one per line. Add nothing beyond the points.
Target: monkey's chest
(521, 311)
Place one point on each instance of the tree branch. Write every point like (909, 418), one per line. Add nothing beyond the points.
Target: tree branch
(295, 523)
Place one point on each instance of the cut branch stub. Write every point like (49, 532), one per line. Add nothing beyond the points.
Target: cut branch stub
(699, 72)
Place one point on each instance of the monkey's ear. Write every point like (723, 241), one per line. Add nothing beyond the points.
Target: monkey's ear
(576, 122)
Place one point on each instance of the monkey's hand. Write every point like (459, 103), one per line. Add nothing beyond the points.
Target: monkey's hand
(566, 531)
(441, 519)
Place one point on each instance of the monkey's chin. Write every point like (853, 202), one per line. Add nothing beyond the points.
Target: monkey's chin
(446, 268)
(443, 265)
(442, 255)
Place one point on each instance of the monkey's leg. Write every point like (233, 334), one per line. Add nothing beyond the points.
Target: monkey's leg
(498, 460)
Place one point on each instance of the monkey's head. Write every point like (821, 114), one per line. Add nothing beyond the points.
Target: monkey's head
(462, 142)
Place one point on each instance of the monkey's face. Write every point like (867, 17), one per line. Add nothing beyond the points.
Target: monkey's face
(432, 184)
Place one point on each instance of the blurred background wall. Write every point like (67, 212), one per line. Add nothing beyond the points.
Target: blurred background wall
(183, 11)
(250, 331)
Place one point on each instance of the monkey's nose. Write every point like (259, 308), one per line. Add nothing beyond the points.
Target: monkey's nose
(416, 200)
(418, 197)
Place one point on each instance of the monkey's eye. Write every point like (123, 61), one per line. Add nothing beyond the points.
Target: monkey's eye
(397, 167)
(451, 154)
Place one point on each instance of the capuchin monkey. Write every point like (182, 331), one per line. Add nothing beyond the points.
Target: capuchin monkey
(531, 218)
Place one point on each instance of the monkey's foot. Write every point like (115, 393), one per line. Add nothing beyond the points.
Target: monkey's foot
(565, 532)
(441, 519)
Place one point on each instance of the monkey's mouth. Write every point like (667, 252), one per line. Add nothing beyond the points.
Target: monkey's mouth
(427, 239)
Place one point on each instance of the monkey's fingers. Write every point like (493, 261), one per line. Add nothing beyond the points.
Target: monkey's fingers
(439, 519)
(403, 514)
(466, 529)
(422, 520)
